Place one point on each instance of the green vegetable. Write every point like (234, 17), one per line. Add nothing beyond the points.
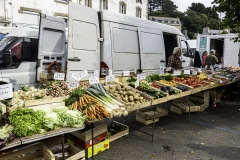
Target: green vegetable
(153, 77)
(51, 121)
(26, 121)
(132, 79)
(74, 118)
(76, 93)
(5, 131)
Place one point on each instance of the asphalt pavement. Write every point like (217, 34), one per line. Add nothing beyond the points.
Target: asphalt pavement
(213, 134)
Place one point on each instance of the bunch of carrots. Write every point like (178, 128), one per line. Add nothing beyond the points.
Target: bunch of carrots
(91, 107)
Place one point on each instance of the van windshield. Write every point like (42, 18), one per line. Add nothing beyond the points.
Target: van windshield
(5, 41)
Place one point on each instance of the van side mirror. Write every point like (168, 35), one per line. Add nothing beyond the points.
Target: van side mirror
(6, 58)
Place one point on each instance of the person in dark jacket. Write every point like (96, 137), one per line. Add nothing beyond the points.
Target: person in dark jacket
(197, 60)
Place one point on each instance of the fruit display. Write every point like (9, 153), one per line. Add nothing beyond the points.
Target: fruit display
(191, 81)
(167, 89)
(169, 83)
(202, 76)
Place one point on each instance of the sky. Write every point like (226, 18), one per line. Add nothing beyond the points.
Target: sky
(184, 4)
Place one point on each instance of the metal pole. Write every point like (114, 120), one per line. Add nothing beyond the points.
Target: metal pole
(153, 127)
(92, 142)
(63, 155)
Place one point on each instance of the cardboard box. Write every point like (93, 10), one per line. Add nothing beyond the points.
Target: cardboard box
(87, 135)
(86, 144)
(97, 148)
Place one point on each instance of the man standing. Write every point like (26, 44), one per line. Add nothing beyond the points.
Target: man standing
(174, 61)
(211, 59)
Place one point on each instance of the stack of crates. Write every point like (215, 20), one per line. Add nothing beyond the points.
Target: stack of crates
(83, 139)
(45, 78)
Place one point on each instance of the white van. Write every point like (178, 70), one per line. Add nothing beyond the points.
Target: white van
(96, 41)
(227, 51)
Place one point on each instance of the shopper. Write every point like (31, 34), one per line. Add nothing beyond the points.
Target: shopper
(197, 60)
(204, 55)
(211, 59)
(174, 61)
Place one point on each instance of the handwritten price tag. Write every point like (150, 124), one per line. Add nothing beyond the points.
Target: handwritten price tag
(199, 70)
(96, 73)
(176, 72)
(136, 83)
(141, 76)
(76, 76)
(110, 78)
(6, 91)
(84, 73)
(59, 76)
(186, 71)
(209, 76)
(93, 80)
(126, 73)
(194, 73)
(206, 66)
(168, 69)
(73, 84)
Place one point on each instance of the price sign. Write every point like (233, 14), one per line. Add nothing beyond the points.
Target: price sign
(136, 83)
(206, 66)
(168, 69)
(194, 73)
(110, 78)
(209, 76)
(220, 81)
(59, 76)
(176, 72)
(109, 72)
(14, 83)
(126, 73)
(199, 70)
(141, 76)
(96, 73)
(220, 66)
(135, 70)
(93, 80)
(84, 73)
(6, 91)
(73, 84)
(187, 72)
(76, 76)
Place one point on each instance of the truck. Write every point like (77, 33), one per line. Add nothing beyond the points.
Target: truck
(5, 30)
(227, 51)
(94, 40)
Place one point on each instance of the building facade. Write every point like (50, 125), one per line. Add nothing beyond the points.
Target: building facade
(167, 20)
(26, 12)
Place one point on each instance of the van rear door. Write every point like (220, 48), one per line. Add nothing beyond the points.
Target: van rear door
(83, 40)
(230, 53)
(51, 42)
(151, 49)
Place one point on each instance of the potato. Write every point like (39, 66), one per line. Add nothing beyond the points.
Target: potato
(130, 98)
(130, 93)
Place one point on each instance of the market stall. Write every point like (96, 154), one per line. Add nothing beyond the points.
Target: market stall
(31, 115)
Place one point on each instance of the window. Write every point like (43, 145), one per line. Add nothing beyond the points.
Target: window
(88, 3)
(122, 7)
(185, 49)
(159, 21)
(172, 21)
(138, 12)
(104, 4)
(139, 1)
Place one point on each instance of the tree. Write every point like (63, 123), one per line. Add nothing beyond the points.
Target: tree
(211, 12)
(197, 7)
(167, 7)
(232, 16)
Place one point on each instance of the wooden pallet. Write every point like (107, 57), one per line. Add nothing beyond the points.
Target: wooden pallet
(186, 106)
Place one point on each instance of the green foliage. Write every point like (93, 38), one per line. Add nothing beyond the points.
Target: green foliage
(232, 16)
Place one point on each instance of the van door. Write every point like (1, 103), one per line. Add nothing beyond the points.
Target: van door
(187, 56)
(83, 40)
(230, 53)
(151, 49)
(51, 42)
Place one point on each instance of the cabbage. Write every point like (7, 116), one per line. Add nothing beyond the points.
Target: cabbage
(60, 111)
(74, 118)
(5, 131)
(51, 121)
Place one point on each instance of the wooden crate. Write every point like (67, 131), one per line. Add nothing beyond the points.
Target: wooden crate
(186, 106)
(148, 113)
(186, 93)
(202, 104)
(119, 134)
(176, 110)
(36, 151)
(174, 96)
(48, 76)
(144, 121)
(49, 100)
